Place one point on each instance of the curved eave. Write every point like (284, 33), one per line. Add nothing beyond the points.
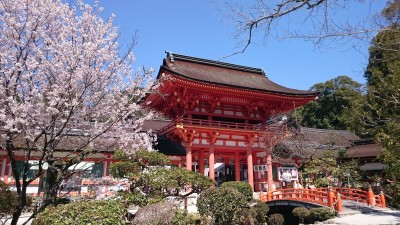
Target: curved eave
(306, 94)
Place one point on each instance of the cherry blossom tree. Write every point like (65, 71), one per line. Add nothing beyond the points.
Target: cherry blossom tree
(64, 85)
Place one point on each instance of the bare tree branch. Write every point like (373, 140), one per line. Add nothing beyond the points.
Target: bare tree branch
(318, 21)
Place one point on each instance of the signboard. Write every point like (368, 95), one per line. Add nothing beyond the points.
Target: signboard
(260, 168)
(287, 174)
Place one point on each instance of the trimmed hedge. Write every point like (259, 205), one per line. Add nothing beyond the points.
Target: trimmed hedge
(221, 205)
(276, 219)
(90, 212)
(320, 214)
(261, 209)
(242, 187)
(301, 213)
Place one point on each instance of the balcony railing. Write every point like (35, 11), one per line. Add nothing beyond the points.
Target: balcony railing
(213, 124)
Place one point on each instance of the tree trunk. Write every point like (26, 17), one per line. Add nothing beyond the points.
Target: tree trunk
(21, 204)
(17, 213)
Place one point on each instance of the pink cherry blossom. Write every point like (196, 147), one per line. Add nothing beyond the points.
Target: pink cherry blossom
(64, 83)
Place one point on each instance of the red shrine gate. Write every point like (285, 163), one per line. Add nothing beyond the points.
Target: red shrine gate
(219, 111)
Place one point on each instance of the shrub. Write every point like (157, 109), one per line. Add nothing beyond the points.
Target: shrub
(261, 209)
(9, 202)
(321, 182)
(90, 212)
(155, 214)
(137, 198)
(242, 187)
(64, 200)
(124, 169)
(221, 204)
(255, 215)
(320, 214)
(246, 217)
(301, 213)
(276, 219)
(182, 217)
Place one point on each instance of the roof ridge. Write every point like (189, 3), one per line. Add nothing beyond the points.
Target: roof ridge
(172, 56)
(328, 130)
(364, 141)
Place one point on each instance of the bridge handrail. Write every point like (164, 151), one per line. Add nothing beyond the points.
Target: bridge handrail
(363, 196)
(316, 196)
(352, 194)
(330, 197)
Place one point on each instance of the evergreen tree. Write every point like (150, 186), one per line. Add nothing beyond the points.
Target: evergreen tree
(334, 100)
(379, 113)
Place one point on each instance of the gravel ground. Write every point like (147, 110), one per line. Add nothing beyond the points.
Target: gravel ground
(376, 217)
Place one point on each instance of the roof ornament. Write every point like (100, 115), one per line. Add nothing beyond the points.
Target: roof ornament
(170, 56)
(263, 72)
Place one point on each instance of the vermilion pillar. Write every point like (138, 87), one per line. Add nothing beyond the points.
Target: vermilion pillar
(189, 156)
(237, 166)
(201, 162)
(269, 173)
(211, 162)
(250, 167)
(7, 169)
(3, 167)
(106, 164)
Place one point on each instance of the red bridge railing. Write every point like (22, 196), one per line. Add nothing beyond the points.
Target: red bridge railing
(330, 197)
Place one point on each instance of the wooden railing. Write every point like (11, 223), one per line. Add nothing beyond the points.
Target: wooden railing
(362, 196)
(217, 124)
(330, 197)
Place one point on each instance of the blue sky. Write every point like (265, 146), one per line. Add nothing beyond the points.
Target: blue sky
(197, 28)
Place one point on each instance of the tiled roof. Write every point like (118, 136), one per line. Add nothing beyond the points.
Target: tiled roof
(312, 142)
(76, 139)
(335, 138)
(154, 125)
(225, 74)
(364, 150)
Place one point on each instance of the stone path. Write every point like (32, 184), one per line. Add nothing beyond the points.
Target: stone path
(24, 217)
(359, 213)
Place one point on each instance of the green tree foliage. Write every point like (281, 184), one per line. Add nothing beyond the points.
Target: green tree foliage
(222, 205)
(322, 171)
(91, 212)
(152, 182)
(276, 219)
(242, 187)
(9, 202)
(261, 209)
(228, 205)
(320, 214)
(131, 166)
(334, 100)
(253, 215)
(301, 213)
(171, 182)
(379, 112)
(392, 194)
(182, 217)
